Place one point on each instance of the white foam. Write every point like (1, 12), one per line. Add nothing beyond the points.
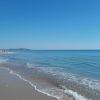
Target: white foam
(30, 65)
(4, 53)
(3, 60)
(91, 83)
(76, 95)
(11, 52)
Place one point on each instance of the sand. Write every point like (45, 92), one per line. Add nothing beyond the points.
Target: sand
(13, 88)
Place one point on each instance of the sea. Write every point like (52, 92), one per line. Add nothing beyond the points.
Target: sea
(63, 74)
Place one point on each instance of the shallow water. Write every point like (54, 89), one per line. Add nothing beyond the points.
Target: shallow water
(64, 74)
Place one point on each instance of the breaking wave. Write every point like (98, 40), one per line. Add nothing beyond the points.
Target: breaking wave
(59, 72)
(3, 60)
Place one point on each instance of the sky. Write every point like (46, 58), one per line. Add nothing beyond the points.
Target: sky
(50, 24)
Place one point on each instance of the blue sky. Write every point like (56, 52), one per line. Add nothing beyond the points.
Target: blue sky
(50, 24)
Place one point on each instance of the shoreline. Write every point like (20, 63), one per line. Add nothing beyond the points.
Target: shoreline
(18, 88)
(69, 95)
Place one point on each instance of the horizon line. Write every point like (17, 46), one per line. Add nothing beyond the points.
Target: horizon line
(47, 49)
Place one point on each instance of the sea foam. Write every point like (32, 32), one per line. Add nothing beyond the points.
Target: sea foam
(91, 83)
(3, 60)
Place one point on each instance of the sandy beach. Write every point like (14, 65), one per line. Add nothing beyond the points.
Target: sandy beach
(13, 88)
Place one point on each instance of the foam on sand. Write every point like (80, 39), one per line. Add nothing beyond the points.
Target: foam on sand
(75, 94)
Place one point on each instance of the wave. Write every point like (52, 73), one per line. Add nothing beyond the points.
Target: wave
(54, 72)
(61, 74)
(75, 95)
(3, 60)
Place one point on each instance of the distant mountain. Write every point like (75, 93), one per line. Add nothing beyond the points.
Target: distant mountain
(20, 49)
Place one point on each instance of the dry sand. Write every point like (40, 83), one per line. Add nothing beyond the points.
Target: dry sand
(13, 88)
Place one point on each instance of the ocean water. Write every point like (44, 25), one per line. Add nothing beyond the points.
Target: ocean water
(64, 74)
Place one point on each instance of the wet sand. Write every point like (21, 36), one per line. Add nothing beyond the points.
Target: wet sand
(13, 88)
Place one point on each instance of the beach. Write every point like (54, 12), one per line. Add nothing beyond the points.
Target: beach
(50, 75)
(13, 88)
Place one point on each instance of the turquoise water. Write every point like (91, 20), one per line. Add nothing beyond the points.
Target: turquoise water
(77, 70)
